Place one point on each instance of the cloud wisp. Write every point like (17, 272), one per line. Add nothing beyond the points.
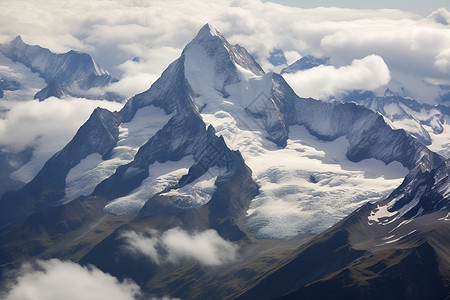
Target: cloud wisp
(55, 280)
(174, 245)
(321, 82)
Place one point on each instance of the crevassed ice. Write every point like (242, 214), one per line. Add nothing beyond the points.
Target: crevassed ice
(198, 192)
(307, 186)
(84, 177)
(310, 185)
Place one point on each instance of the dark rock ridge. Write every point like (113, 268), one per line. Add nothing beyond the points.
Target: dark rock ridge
(277, 57)
(415, 276)
(421, 194)
(72, 73)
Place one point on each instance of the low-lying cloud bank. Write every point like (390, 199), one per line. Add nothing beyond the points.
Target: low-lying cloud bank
(174, 245)
(50, 123)
(56, 280)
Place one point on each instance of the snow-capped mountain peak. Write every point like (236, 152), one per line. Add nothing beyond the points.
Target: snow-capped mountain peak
(214, 44)
(206, 32)
(229, 87)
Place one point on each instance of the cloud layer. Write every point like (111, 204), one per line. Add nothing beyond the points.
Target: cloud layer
(156, 31)
(24, 123)
(45, 126)
(56, 280)
(173, 245)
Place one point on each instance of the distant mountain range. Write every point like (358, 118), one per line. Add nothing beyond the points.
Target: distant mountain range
(219, 146)
(426, 122)
(73, 73)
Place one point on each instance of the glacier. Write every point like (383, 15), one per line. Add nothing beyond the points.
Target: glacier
(288, 203)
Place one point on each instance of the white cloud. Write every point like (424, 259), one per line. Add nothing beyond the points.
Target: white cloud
(173, 245)
(27, 123)
(137, 75)
(55, 280)
(320, 82)
(442, 62)
(441, 16)
(292, 56)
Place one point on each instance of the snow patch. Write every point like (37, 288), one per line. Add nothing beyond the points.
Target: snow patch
(446, 218)
(440, 143)
(389, 237)
(402, 223)
(83, 178)
(198, 192)
(161, 176)
(381, 212)
(395, 240)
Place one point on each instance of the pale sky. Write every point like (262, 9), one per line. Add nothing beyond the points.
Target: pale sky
(416, 6)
